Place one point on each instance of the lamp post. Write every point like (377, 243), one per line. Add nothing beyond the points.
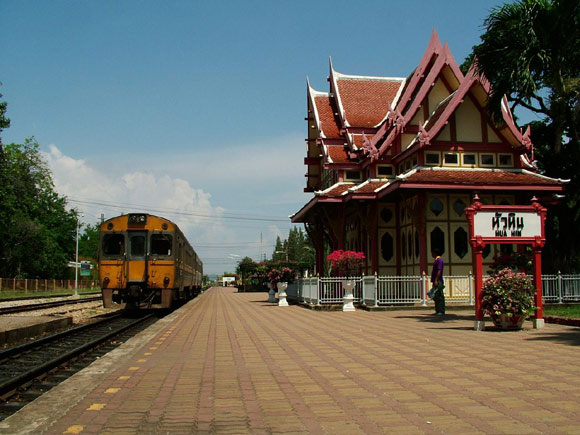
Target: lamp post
(77, 258)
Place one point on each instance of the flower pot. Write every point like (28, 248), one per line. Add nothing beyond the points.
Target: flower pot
(271, 293)
(348, 298)
(503, 321)
(282, 286)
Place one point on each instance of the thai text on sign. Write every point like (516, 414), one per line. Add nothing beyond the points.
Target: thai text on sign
(507, 224)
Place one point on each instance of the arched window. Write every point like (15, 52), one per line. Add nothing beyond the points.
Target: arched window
(460, 246)
(387, 250)
(438, 240)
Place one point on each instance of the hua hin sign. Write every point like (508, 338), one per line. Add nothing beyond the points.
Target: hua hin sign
(501, 224)
(506, 223)
(513, 224)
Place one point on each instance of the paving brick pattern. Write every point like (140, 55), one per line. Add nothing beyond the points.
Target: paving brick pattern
(232, 363)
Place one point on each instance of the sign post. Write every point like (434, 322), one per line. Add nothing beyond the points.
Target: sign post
(506, 224)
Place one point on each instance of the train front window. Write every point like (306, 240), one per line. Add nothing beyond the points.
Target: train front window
(137, 246)
(161, 244)
(114, 244)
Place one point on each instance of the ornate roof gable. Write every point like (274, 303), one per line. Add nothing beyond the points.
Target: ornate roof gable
(434, 60)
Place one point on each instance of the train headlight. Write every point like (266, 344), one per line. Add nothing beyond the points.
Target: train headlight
(106, 281)
(166, 281)
(137, 218)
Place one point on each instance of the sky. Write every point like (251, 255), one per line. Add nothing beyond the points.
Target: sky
(194, 110)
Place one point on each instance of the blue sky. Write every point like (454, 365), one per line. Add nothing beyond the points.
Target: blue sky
(195, 110)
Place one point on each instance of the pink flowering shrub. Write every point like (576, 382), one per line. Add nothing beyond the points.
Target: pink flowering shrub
(345, 263)
(507, 292)
(281, 275)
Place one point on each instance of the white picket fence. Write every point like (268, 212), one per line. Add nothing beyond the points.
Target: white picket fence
(393, 290)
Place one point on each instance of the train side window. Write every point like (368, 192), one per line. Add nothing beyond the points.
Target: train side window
(161, 244)
(114, 244)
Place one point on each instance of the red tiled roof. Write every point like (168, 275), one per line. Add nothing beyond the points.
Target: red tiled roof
(493, 177)
(338, 190)
(371, 186)
(365, 101)
(358, 139)
(338, 154)
(326, 114)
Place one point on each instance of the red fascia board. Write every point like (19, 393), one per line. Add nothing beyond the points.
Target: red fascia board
(343, 166)
(403, 155)
(457, 99)
(360, 196)
(505, 187)
(427, 84)
(434, 47)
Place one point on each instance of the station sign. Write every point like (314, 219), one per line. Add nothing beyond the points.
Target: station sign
(86, 267)
(502, 224)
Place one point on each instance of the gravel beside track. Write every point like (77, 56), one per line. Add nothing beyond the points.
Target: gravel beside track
(21, 365)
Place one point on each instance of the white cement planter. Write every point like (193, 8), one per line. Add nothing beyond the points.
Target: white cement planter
(282, 286)
(348, 298)
(271, 293)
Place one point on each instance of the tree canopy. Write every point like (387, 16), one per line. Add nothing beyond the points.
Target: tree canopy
(530, 52)
(36, 231)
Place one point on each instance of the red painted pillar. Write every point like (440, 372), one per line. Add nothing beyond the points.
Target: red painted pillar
(538, 280)
(479, 324)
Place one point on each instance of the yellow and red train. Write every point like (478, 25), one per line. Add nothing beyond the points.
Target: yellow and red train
(145, 261)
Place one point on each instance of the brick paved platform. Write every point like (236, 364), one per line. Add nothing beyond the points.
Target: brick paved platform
(231, 363)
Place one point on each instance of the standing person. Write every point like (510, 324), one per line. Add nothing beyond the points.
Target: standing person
(437, 283)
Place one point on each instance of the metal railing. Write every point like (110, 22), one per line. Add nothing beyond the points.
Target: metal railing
(398, 290)
(560, 288)
(15, 285)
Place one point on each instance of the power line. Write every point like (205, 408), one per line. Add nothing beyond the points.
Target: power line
(178, 212)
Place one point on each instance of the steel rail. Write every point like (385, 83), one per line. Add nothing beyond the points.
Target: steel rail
(44, 305)
(21, 379)
(44, 296)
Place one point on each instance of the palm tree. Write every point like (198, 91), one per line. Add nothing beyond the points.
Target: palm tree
(530, 52)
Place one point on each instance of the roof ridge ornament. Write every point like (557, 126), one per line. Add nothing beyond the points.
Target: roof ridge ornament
(369, 148)
(424, 137)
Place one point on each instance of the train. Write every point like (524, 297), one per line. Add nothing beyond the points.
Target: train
(145, 262)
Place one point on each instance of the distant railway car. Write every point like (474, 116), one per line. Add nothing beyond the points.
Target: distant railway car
(145, 261)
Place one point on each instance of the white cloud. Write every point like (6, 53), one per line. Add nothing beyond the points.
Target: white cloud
(253, 180)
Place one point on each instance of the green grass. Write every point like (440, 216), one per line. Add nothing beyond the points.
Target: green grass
(20, 294)
(571, 311)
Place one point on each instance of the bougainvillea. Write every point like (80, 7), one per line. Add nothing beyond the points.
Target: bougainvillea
(345, 263)
(507, 292)
(281, 275)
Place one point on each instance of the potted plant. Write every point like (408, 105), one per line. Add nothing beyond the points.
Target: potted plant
(346, 264)
(508, 298)
(280, 278)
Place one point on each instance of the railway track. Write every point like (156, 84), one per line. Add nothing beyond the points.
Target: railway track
(43, 305)
(28, 370)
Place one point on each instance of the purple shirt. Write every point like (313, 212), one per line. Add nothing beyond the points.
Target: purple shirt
(437, 265)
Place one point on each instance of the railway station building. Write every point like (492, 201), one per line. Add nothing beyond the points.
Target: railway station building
(392, 163)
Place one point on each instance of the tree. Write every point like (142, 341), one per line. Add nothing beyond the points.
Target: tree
(530, 52)
(89, 242)
(4, 122)
(37, 232)
(297, 251)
